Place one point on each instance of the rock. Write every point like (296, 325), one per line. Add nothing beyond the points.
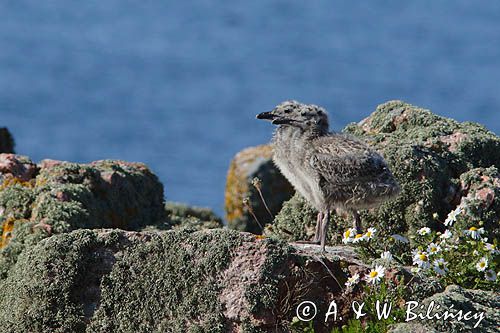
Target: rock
(177, 281)
(294, 221)
(248, 164)
(16, 166)
(57, 197)
(411, 328)
(480, 201)
(181, 216)
(454, 299)
(429, 155)
(6, 141)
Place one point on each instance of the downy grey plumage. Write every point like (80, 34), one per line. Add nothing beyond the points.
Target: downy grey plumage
(330, 170)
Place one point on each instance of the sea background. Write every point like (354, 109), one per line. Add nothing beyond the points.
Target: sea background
(177, 84)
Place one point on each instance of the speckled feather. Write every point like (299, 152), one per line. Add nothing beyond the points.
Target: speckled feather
(332, 171)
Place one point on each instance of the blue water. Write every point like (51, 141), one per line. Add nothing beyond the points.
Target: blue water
(176, 85)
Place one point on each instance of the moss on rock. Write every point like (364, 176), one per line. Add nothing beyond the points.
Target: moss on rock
(172, 281)
(457, 299)
(480, 201)
(58, 197)
(182, 216)
(428, 155)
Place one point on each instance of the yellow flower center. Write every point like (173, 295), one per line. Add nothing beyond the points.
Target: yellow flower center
(373, 274)
(473, 229)
(347, 234)
(482, 264)
(423, 257)
(358, 236)
(434, 249)
(369, 234)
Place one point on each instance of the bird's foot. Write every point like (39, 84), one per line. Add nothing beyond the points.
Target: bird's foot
(312, 242)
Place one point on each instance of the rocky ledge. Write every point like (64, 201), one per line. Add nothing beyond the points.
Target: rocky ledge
(109, 280)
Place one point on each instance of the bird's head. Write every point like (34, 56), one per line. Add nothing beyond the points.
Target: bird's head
(293, 113)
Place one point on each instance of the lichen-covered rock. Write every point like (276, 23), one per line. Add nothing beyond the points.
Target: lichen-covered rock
(414, 327)
(428, 155)
(56, 197)
(6, 141)
(250, 163)
(456, 299)
(480, 201)
(295, 221)
(172, 281)
(182, 216)
(17, 167)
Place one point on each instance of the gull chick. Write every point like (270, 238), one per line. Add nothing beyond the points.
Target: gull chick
(333, 171)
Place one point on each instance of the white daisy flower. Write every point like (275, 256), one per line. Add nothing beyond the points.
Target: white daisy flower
(386, 256)
(474, 232)
(491, 248)
(482, 264)
(400, 238)
(375, 274)
(452, 216)
(370, 232)
(353, 280)
(439, 266)
(348, 235)
(421, 259)
(446, 235)
(490, 275)
(359, 238)
(433, 248)
(424, 231)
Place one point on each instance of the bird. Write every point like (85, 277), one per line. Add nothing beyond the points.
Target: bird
(334, 172)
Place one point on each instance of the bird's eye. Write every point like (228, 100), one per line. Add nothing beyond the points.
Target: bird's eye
(320, 112)
(287, 111)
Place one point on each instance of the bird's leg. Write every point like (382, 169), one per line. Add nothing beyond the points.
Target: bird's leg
(319, 220)
(357, 222)
(317, 233)
(324, 229)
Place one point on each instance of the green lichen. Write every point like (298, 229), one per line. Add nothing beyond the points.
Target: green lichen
(69, 196)
(454, 299)
(184, 216)
(289, 223)
(185, 296)
(110, 281)
(24, 235)
(427, 154)
(16, 201)
(170, 281)
(181, 216)
(477, 211)
(264, 295)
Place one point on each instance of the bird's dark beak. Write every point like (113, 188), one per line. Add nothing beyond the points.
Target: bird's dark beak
(281, 121)
(275, 119)
(266, 115)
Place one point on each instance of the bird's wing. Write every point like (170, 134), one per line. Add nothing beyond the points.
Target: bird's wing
(347, 162)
